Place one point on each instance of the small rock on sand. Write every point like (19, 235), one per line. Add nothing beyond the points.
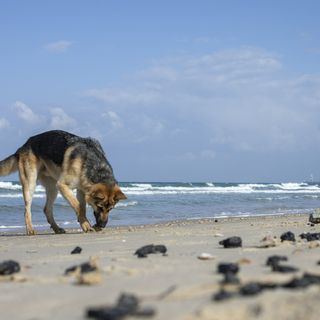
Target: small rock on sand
(206, 256)
(315, 216)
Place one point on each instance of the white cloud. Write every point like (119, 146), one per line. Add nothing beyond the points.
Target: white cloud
(129, 96)
(25, 113)
(241, 99)
(146, 128)
(209, 154)
(113, 119)
(4, 123)
(58, 46)
(60, 120)
(161, 73)
(205, 154)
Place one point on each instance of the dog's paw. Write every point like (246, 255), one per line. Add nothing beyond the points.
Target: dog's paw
(97, 228)
(59, 230)
(86, 227)
(31, 232)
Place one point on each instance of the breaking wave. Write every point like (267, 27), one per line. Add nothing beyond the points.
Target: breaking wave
(220, 188)
(6, 188)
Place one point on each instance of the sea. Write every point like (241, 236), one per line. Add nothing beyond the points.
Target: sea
(157, 202)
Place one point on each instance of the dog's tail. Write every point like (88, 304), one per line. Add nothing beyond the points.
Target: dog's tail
(9, 165)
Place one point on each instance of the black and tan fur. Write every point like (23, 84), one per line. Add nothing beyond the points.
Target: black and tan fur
(61, 161)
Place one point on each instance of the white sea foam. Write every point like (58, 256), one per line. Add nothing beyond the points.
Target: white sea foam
(37, 225)
(9, 185)
(240, 188)
(142, 185)
(142, 189)
(19, 195)
(126, 204)
(11, 227)
(294, 185)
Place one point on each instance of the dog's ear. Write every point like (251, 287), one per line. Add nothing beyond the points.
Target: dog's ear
(118, 194)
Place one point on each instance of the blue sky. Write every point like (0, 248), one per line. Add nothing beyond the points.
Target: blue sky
(174, 90)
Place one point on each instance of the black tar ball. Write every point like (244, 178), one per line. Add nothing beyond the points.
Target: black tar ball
(228, 268)
(275, 259)
(150, 248)
(76, 250)
(232, 242)
(9, 267)
(288, 236)
(310, 236)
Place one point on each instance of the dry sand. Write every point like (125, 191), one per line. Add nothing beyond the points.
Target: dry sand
(177, 286)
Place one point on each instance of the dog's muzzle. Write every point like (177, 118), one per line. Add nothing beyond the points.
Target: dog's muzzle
(100, 224)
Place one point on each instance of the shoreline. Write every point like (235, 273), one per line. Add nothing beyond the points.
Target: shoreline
(178, 222)
(177, 286)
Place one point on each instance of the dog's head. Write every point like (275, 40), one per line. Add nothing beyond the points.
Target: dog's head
(102, 199)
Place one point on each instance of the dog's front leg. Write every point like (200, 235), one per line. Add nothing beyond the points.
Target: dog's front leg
(67, 193)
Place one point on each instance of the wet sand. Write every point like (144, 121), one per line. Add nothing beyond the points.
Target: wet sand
(177, 286)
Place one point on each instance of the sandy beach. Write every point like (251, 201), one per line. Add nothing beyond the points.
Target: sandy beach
(178, 285)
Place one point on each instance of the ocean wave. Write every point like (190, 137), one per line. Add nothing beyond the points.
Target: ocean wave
(20, 195)
(7, 185)
(141, 189)
(291, 188)
(11, 227)
(142, 185)
(126, 204)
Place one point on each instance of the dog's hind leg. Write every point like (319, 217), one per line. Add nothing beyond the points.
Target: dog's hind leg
(51, 193)
(28, 172)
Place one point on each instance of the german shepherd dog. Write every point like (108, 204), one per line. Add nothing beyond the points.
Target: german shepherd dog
(62, 161)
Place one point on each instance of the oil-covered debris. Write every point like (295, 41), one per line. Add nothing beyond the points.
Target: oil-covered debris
(223, 295)
(76, 250)
(83, 268)
(254, 288)
(229, 270)
(310, 236)
(284, 269)
(230, 278)
(86, 273)
(274, 263)
(9, 267)
(304, 281)
(275, 259)
(127, 305)
(148, 249)
(251, 289)
(288, 236)
(232, 242)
